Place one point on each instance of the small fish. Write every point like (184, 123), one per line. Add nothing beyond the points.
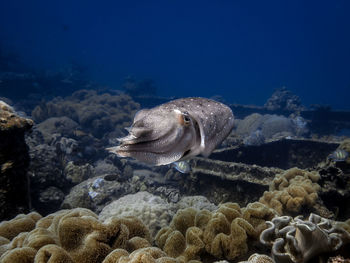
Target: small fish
(92, 194)
(183, 166)
(97, 183)
(338, 155)
(176, 131)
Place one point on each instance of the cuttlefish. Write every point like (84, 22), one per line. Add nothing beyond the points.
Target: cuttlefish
(176, 131)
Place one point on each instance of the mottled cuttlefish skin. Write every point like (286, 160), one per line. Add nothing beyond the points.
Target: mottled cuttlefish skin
(175, 131)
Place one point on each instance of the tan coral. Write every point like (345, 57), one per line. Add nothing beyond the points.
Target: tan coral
(257, 214)
(235, 244)
(184, 219)
(52, 254)
(76, 235)
(292, 190)
(23, 254)
(143, 255)
(21, 223)
(222, 233)
(38, 238)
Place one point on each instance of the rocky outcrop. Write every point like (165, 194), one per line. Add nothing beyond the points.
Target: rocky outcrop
(14, 161)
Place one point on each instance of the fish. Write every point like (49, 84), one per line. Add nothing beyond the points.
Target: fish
(176, 131)
(183, 166)
(338, 155)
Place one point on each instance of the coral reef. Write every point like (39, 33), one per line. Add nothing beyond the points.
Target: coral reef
(94, 193)
(21, 223)
(70, 236)
(223, 233)
(154, 212)
(338, 259)
(61, 125)
(142, 255)
(255, 129)
(98, 114)
(283, 99)
(297, 240)
(14, 162)
(258, 258)
(78, 173)
(198, 202)
(292, 190)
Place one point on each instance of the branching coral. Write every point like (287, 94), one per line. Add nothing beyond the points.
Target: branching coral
(297, 240)
(292, 190)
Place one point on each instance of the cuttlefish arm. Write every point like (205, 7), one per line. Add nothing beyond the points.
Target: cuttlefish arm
(162, 138)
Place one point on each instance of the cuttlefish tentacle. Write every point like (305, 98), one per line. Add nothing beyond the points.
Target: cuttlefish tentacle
(157, 145)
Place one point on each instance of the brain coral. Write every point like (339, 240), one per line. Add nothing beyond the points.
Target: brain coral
(292, 190)
(70, 236)
(154, 212)
(258, 258)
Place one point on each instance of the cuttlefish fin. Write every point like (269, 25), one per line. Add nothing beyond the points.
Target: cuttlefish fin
(114, 149)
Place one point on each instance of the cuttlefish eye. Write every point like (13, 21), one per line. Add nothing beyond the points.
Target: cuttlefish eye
(186, 119)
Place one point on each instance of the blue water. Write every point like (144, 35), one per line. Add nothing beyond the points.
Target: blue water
(241, 50)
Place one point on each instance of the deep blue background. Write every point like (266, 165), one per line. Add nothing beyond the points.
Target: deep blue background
(242, 50)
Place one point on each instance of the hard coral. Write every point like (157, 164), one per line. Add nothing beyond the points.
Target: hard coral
(292, 190)
(258, 258)
(154, 212)
(297, 240)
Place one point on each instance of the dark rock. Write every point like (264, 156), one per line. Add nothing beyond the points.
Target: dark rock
(284, 154)
(256, 129)
(14, 161)
(95, 193)
(102, 115)
(221, 181)
(283, 99)
(61, 125)
(335, 188)
(51, 197)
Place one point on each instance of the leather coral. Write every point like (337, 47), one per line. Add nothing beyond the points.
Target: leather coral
(297, 240)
